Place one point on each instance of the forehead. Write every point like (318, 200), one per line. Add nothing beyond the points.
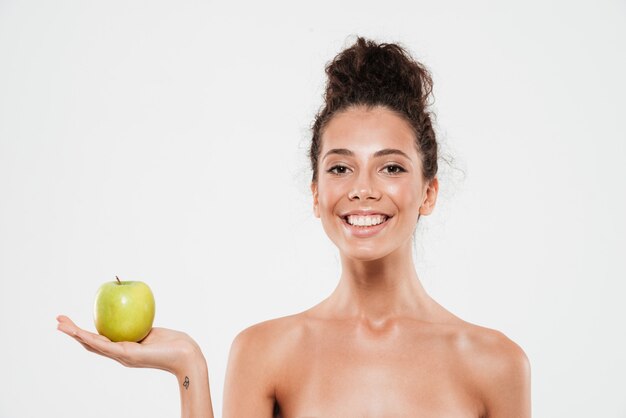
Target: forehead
(365, 131)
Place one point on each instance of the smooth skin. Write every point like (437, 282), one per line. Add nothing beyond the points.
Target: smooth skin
(379, 345)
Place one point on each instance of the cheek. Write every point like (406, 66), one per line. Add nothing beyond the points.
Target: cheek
(328, 197)
(327, 203)
(406, 197)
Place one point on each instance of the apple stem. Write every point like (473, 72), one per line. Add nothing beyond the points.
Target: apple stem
(118, 280)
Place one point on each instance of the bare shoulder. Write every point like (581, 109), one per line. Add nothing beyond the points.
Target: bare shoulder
(491, 346)
(269, 338)
(253, 368)
(499, 369)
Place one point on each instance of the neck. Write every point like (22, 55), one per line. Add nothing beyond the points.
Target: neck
(379, 290)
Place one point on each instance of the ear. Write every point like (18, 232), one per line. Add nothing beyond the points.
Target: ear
(430, 197)
(316, 208)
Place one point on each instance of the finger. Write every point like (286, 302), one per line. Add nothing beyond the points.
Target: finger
(65, 320)
(98, 344)
(101, 344)
(88, 347)
(74, 334)
(67, 329)
(66, 325)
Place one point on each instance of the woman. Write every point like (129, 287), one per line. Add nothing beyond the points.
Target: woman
(378, 346)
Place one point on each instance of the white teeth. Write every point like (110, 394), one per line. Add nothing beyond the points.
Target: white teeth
(366, 220)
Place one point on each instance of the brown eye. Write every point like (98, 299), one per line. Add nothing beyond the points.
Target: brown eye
(337, 169)
(394, 169)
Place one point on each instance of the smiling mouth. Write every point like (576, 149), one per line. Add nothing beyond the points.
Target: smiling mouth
(365, 221)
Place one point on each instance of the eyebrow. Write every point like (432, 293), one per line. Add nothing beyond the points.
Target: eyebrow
(381, 153)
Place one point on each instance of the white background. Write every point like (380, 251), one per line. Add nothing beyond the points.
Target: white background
(166, 142)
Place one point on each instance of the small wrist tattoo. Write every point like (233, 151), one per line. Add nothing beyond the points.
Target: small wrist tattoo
(186, 383)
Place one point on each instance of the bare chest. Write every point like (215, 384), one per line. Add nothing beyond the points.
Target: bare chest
(359, 374)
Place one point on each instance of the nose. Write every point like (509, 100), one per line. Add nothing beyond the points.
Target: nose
(363, 188)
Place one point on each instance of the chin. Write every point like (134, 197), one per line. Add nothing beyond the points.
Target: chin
(364, 254)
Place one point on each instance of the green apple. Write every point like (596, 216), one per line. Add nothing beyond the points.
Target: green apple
(124, 310)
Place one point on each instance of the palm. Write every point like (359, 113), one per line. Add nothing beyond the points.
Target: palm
(161, 349)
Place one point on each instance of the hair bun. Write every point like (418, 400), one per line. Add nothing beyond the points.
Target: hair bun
(372, 74)
(368, 72)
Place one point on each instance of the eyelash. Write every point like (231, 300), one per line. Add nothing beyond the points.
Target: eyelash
(400, 169)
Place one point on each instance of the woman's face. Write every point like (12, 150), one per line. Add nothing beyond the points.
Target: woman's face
(370, 172)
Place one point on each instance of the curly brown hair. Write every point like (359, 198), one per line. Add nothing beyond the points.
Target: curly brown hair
(384, 74)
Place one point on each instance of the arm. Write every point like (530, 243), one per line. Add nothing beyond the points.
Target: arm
(248, 389)
(506, 381)
(163, 349)
(193, 384)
